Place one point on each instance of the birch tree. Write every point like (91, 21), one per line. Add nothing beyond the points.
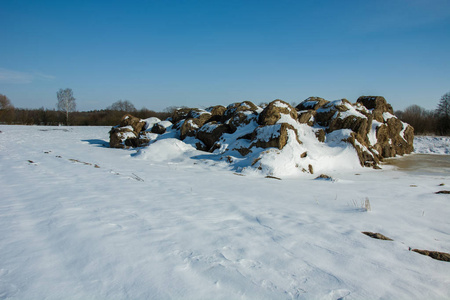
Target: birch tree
(66, 102)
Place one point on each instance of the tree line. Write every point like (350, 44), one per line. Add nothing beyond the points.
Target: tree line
(424, 121)
(428, 121)
(66, 113)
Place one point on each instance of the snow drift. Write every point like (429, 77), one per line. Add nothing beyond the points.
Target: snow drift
(278, 139)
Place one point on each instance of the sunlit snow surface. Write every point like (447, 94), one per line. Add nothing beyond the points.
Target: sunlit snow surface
(83, 221)
(432, 144)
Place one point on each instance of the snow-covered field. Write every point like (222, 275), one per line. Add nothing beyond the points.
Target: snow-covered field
(83, 221)
(432, 144)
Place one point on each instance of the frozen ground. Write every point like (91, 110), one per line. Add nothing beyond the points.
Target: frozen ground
(82, 221)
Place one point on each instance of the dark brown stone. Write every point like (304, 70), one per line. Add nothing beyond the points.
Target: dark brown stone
(313, 103)
(443, 192)
(434, 254)
(272, 113)
(137, 124)
(307, 117)
(377, 235)
(324, 177)
(216, 112)
(211, 132)
(320, 135)
(190, 127)
(158, 129)
(277, 136)
(366, 157)
(180, 114)
(118, 135)
(234, 108)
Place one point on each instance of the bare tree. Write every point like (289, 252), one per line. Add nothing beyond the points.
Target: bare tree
(66, 102)
(6, 110)
(123, 105)
(5, 103)
(423, 121)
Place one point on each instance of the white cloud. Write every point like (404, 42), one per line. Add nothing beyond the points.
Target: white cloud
(17, 77)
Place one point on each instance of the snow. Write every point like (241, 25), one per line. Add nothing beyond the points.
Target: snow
(351, 112)
(128, 134)
(387, 116)
(432, 145)
(149, 122)
(165, 124)
(192, 124)
(209, 127)
(310, 104)
(266, 133)
(373, 132)
(281, 104)
(168, 150)
(196, 114)
(169, 222)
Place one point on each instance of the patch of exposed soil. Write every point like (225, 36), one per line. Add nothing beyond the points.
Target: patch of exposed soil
(377, 235)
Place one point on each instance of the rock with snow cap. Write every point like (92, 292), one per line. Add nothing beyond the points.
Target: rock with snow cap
(210, 133)
(313, 103)
(240, 113)
(359, 134)
(276, 136)
(274, 111)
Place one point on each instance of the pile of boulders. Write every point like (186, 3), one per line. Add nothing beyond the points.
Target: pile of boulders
(376, 132)
(369, 126)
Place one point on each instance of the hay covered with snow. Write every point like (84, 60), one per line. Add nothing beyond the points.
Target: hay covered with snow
(278, 140)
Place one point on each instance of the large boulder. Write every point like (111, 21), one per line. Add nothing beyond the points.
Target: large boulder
(273, 136)
(158, 129)
(189, 127)
(359, 124)
(237, 107)
(196, 118)
(211, 132)
(180, 114)
(241, 113)
(137, 124)
(377, 105)
(126, 134)
(367, 157)
(118, 136)
(394, 138)
(307, 117)
(313, 103)
(327, 112)
(216, 112)
(274, 112)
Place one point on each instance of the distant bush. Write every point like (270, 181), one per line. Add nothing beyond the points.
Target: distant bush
(78, 118)
(423, 121)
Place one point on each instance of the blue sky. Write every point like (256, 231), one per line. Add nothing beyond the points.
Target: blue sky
(201, 53)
